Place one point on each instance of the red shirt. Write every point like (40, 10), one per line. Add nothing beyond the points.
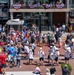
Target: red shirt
(13, 38)
(3, 58)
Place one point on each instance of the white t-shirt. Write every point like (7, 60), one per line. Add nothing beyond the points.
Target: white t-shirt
(73, 40)
(67, 54)
(30, 55)
(63, 26)
(37, 70)
(54, 49)
(52, 56)
(57, 29)
(33, 46)
(57, 53)
(41, 54)
(26, 49)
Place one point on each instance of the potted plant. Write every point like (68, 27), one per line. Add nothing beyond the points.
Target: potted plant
(69, 67)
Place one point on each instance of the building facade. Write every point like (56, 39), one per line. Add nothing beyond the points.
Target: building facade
(4, 11)
(52, 12)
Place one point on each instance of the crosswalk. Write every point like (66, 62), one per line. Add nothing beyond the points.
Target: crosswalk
(21, 73)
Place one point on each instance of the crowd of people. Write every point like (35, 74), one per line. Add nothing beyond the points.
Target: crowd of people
(14, 44)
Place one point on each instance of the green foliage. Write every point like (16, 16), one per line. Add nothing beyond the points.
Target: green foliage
(69, 67)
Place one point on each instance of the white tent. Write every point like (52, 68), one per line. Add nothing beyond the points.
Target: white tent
(15, 23)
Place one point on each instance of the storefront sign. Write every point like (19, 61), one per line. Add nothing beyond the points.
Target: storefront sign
(17, 6)
(60, 6)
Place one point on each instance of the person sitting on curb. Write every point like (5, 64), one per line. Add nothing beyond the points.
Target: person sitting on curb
(37, 70)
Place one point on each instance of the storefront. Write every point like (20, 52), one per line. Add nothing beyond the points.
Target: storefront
(33, 18)
(57, 12)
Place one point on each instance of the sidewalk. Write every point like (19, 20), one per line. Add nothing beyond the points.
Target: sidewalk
(64, 35)
(21, 73)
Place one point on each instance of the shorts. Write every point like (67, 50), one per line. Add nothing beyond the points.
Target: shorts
(41, 59)
(67, 58)
(56, 59)
(30, 59)
(3, 66)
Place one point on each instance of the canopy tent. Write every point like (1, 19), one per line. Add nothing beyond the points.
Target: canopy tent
(15, 23)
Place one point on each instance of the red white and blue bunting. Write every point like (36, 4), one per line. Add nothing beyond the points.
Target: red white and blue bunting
(60, 6)
(17, 6)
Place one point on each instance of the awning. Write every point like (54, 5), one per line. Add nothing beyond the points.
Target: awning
(15, 22)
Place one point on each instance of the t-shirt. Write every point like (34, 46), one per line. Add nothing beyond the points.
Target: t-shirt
(49, 37)
(3, 58)
(30, 55)
(65, 71)
(26, 49)
(18, 56)
(67, 54)
(37, 70)
(41, 54)
(52, 70)
(33, 46)
(73, 40)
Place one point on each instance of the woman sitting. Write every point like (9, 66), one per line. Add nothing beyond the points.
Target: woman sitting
(37, 70)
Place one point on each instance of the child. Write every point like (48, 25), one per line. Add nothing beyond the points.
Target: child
(18, 59)
(41, 56)
(10, 60)
(33, 48)
(30, 56)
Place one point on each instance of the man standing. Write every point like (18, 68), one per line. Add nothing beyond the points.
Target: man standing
(3, 61)
(41, 56)
(65, 70)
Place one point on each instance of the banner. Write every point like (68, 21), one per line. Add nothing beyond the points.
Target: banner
(17, 6)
